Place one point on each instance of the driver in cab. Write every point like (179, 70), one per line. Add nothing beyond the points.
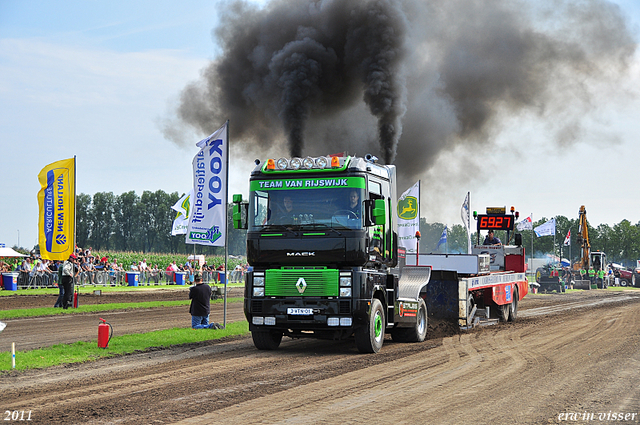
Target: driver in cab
(354, 203)
(491, 239)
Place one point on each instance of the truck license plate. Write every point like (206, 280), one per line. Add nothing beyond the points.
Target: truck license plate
(300, 311)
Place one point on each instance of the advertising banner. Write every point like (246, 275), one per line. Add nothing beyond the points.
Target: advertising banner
(56, 202)
(181, 222)
(409, 218)
(208, 215)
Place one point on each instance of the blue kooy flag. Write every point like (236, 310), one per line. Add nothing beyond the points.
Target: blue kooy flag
(208, 215)
(443, 238)
(546, 229)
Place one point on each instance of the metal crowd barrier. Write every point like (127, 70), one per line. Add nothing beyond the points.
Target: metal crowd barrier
(37, 279)
(110, 278)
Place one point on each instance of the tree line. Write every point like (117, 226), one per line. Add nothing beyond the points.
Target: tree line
(621, 242)
(129, 222)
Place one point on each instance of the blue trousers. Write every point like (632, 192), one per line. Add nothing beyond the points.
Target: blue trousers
(200, 322)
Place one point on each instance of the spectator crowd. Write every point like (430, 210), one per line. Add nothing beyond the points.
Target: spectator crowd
(94, 270)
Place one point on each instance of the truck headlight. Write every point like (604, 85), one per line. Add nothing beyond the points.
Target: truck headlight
(258, 291)
(258, 281)
(345, 292)
(345, 280)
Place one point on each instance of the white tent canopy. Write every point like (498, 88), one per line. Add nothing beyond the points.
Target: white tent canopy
(8, 252)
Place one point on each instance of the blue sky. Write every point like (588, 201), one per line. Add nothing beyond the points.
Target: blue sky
(95, 78)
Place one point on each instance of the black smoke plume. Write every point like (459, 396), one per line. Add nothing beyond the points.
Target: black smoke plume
(405, 80)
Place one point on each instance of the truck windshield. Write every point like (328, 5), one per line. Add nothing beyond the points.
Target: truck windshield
(337, 208)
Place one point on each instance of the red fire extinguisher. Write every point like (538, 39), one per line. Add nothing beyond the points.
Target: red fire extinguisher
(76, 301)
(105, 332)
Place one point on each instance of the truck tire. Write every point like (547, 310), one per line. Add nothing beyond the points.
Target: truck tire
(266, 340)
(623, 282)
(369, 338)
(503, 312)
(513, 309)
(416, 333)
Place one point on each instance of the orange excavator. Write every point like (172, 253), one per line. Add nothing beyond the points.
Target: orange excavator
(596, 259)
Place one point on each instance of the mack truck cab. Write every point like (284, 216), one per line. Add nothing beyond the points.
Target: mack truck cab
(322, 240)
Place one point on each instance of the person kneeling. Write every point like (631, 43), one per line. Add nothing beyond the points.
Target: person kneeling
(200, 296)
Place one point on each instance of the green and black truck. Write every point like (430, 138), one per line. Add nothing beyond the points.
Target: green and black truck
(323, 245)
(322, 241)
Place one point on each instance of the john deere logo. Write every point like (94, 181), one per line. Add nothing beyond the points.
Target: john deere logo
(301, 285)
(408, 208)
(61, 239)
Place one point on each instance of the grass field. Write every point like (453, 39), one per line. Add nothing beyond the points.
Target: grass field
(125, 344)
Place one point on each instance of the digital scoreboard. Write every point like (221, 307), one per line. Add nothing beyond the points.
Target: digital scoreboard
(495, 222)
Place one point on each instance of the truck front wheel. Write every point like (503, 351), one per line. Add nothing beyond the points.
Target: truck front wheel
(416, 333)
(369, 338)
(266, 340)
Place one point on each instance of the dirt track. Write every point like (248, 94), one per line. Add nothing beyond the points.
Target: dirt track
(581, 360)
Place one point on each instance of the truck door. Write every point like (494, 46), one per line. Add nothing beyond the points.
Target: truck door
(380, 236)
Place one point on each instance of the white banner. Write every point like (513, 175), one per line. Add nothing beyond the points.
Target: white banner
(183, 204)
(409, 218)
(466, 220)
(181, 222)
(546, 229)
(208, 218)
(525, 224)
(180, 225)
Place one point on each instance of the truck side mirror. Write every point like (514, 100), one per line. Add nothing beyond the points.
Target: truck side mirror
(239, 207)
(379, 212)
(375, 212)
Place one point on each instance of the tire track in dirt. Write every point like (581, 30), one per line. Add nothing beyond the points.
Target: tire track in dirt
(489, 371)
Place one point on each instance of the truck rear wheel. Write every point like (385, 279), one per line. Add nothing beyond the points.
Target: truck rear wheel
(513, 309)
(266, 340)
(369, 338)
(503, 312)
(416, 333)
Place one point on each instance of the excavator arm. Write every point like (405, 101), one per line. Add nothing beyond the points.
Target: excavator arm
(583, 239)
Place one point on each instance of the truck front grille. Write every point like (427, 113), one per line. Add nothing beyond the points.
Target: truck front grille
(300, 282)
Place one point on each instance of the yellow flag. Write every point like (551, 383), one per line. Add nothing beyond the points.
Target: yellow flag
(57, 199)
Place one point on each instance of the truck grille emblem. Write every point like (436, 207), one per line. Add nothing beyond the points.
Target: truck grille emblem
(301, 285)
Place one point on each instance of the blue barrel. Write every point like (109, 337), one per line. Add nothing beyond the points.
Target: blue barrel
(10, 281)
(222, 278)
(180, 278)
(133, 278)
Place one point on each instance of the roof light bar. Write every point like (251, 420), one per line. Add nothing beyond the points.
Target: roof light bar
(308, 163)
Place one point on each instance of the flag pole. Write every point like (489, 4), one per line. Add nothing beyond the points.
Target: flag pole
(226, 230)
(469, 223)
(75, 201)
(532, 240)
